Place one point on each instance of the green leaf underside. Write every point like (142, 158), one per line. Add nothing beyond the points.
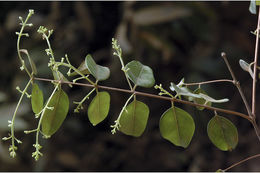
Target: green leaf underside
(36, 99)
(200, 100)
(186, 92)
(139, 74)
(99, 72)
(222, 133)
(177, 126)
(99, 108)
(82, 68)
(134, 119)
(53, 119)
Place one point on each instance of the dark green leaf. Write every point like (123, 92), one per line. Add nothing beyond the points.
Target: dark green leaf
(139, 74)
(222, 133)
(201, 100)
(82, 68)
(52, 119)
(177, 126)
(98, 71)
(99, 108)
(36, 99)
(134, 119)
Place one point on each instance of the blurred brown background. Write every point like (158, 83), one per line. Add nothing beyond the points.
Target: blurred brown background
(176, 39)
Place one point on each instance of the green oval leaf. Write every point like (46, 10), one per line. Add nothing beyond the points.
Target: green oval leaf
(201, 100)
(222, 133)
(52, 119)
(36, 99)
(134, 119)
(139, 74)
(177, 126)
(99, 108)
(98, 71)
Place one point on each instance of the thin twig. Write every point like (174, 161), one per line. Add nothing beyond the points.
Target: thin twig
(255, 67)
(152, 96)
(208, 82)
(242, 161)
(237, 84)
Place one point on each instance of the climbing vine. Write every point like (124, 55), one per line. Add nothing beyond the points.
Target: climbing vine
(176, 125)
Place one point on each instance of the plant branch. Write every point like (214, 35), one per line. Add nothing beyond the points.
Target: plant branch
(152, 96)
(237, 84)
(255, 66)
(240, 162)
(208, 82)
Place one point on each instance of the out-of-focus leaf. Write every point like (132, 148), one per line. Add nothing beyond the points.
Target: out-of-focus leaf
(82, 68)
(121, 36)
(222, 133)
(177, 126)
(99, 72)
(3, 96)
(99, 108)
(159, 14)
(201, 100)
(6, 112)
(32, 64)
(252, 7)
(53, 119)
(59, 76)
(139, 74)
(134, 119)
(36, 99)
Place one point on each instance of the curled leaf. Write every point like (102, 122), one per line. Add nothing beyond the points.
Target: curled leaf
(177, 126)
(139, 74)
(222, 133)
(201, 100)
(99, 72)
(59, 76)
(246, 67)
(82, 68)
(186, 92)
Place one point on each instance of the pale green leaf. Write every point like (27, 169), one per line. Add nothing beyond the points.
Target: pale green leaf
(246, 67)
(210, 99)
(186, 92)
(201, 100)
(53, 119)
(32, 64)
(82, 68)
(183, 91)
(36, 99)
(134, 119)
(177, 126)
(59, 76)
(252, 7)
(99, 72)
(222, 133)
(139, 74)
(99, 108)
